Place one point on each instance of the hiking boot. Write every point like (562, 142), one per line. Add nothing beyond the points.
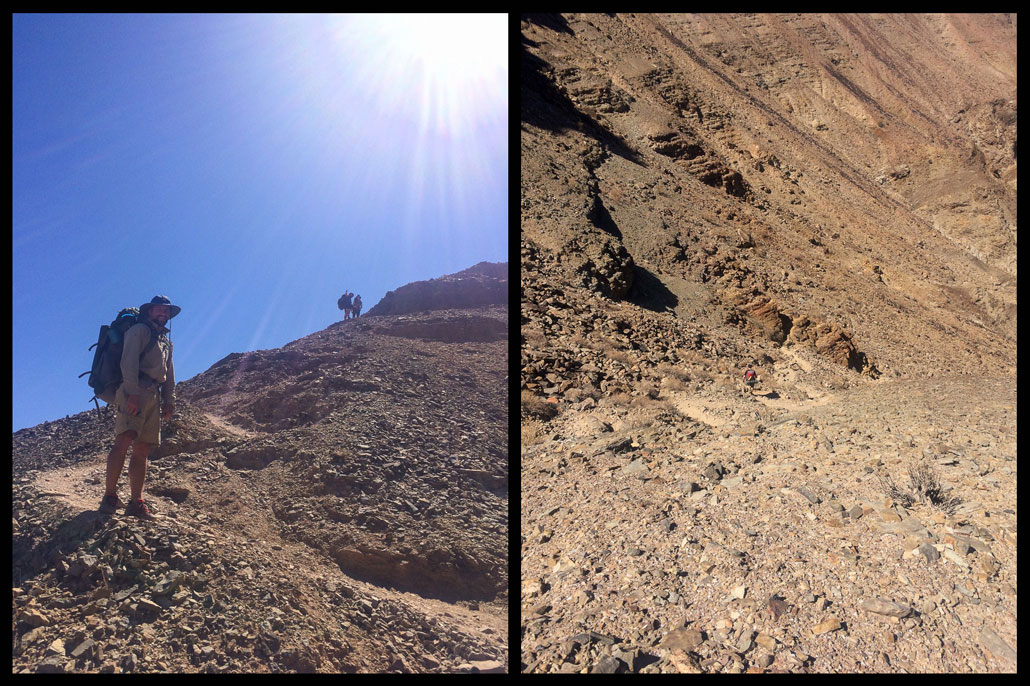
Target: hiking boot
(110, 504)
(139, 509)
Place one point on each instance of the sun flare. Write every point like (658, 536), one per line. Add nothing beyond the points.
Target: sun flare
(447, 71)
(463, 47)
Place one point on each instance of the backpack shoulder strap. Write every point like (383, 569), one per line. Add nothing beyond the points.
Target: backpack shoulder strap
(150, 344)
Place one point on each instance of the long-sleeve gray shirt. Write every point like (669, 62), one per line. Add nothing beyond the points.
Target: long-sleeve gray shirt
(155, 368)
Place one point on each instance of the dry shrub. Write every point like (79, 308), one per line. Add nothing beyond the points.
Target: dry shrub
(927, 486)
(620, 356)
(893, 492)
(670, 371)
(620, 399)
(535, 406)
(672, 383)
(702, 374)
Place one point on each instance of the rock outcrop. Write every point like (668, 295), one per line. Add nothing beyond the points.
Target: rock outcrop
(483, 284)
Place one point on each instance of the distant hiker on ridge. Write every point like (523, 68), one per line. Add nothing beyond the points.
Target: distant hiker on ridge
(145, 376)
(344, 303)
(356, 306)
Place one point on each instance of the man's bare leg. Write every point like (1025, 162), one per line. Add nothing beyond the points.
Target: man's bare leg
(116, 461)
(138, 468)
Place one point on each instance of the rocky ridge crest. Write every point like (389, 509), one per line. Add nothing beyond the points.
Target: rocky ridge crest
(485, 283)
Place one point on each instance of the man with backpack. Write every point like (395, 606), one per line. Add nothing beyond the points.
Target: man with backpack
(344, 303)
(146, 395)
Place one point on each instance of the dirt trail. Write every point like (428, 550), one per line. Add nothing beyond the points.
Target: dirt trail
(719, 412)
(231, 428)
(775, 400)
(710, 412)
(81, 487)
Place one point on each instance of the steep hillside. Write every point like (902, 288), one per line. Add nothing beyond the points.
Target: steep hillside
(831, 200)
(338, 504)
(811, 163)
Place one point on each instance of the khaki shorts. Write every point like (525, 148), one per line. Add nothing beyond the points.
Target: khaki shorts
(147, 424)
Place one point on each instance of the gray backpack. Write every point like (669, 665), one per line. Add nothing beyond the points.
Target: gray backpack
(105, 376)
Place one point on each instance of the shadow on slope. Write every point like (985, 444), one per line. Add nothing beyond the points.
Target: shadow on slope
(30, 557)
(649, 292)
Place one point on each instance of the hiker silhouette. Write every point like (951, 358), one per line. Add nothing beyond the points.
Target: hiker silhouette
(344, 303)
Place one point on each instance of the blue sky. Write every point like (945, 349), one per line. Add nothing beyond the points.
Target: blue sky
(249, 167)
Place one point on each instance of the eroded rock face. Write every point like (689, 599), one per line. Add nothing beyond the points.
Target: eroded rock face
(428, 573)
(773, 323)
(780, 169)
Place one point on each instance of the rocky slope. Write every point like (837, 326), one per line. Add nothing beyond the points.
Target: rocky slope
(338, 504)
(831, 200)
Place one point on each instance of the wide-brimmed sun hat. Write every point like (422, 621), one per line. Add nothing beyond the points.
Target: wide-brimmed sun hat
(160, 300)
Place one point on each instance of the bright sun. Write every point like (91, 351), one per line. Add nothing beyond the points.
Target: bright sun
(465, 47)
(448, 70)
